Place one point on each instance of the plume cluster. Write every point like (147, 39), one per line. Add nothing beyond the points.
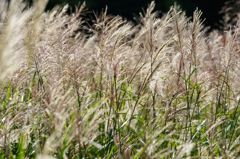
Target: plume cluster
(163, 88)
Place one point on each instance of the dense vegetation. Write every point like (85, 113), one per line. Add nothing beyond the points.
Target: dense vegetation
(164, 88)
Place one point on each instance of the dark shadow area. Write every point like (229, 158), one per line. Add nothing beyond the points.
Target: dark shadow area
(131, 8)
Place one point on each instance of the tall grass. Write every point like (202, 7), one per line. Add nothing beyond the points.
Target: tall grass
(164, 88)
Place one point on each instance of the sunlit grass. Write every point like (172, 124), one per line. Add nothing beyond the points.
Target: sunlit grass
(164, 88)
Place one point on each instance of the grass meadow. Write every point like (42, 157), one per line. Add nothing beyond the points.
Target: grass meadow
(72, 87)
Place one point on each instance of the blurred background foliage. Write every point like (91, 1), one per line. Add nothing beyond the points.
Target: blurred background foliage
(131, 8)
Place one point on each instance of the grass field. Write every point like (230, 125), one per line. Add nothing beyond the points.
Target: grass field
(70, 87)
